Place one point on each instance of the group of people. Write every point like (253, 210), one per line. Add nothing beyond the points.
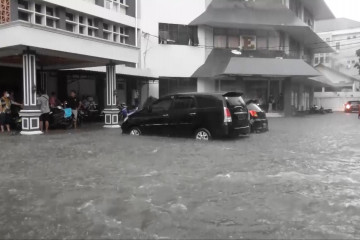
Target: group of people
(44, 102)
(272, 104)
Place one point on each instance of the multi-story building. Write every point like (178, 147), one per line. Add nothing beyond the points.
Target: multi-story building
(263, 48)
(42, 38)
(344, 35)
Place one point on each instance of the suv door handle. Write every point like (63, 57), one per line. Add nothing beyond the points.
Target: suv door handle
(192, 114)
(165, 115)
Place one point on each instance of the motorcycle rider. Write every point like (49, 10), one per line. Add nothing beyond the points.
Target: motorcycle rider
(74, 104)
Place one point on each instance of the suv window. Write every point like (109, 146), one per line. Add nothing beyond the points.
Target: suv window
(254, 107)
(235, 101)
(206, 101)
(184, 103)
(161, 105)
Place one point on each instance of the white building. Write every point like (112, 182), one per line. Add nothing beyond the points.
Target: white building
(344, 36)
(339, 67)
(42, 38)
(189, 45)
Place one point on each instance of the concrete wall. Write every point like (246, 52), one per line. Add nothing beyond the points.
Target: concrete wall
(170, 60)
(335, 100)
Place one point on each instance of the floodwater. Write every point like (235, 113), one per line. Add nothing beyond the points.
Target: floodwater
(300, 180)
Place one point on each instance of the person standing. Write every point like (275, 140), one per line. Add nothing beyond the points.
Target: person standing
(43, 101)
(74, 104)
(5, 111)
(54, 101)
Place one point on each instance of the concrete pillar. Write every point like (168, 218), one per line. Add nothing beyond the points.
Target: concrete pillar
(287, 88)
(354, 87)
(30, 114)
(301, 97)
(111, 111)
(311, 97)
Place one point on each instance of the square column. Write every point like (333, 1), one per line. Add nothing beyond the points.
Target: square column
(30, 114)
(111, 111)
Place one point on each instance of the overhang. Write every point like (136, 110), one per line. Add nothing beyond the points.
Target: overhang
(270, 67)
(58, 49)
(123, 70)
(224, 63)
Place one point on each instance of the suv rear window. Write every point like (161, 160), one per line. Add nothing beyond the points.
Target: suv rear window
(235, 101)
(254, 107)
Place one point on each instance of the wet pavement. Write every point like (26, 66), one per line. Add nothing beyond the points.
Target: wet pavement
(300, 180)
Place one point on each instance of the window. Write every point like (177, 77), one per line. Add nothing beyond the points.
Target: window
(248, 42)
(69, 27)
(70, 17)
(50, 22)
(161, 105)
(23, 4)
(220, 41)
(321, 59)
(184, 103)
(49, 11)
(178, 34)
(24, 16)
(337, 45)
(38, 19)
(38, 8)
(234, 41)
(327, 58)
(316, 60)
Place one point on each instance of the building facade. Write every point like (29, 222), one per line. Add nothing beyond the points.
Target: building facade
(58, 45)
(263, 48)
(344, 36)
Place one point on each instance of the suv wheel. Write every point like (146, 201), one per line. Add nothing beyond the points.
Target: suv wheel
(202, 134)
(135, 131)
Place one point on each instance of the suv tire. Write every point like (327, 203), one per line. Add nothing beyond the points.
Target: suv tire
(135, 131)
(202, 134)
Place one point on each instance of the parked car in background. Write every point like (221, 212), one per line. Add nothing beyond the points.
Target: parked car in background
(201, 115)
(352, 106)
(258, 120)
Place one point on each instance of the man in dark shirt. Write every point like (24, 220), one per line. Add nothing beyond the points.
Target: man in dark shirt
(74, 104)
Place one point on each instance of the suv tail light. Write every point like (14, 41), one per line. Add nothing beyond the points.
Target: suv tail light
(348, 106)
(253, 113)
(227, 115)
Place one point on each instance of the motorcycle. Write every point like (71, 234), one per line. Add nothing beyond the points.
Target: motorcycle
(61, 118)
(89, 109)
(316, 110)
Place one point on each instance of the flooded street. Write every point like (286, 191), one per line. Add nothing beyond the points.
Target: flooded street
(300, 180)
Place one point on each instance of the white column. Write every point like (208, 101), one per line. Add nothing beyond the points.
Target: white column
(30, 114)
(111, 111)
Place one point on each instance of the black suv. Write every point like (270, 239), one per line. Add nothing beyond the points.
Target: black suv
(203, 115)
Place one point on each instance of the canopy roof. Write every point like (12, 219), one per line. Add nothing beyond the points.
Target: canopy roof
(222, 62)
(261, 15)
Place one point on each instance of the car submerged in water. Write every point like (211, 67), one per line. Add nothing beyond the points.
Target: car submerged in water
(352, 106)
(258, 119)
(201, 115)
